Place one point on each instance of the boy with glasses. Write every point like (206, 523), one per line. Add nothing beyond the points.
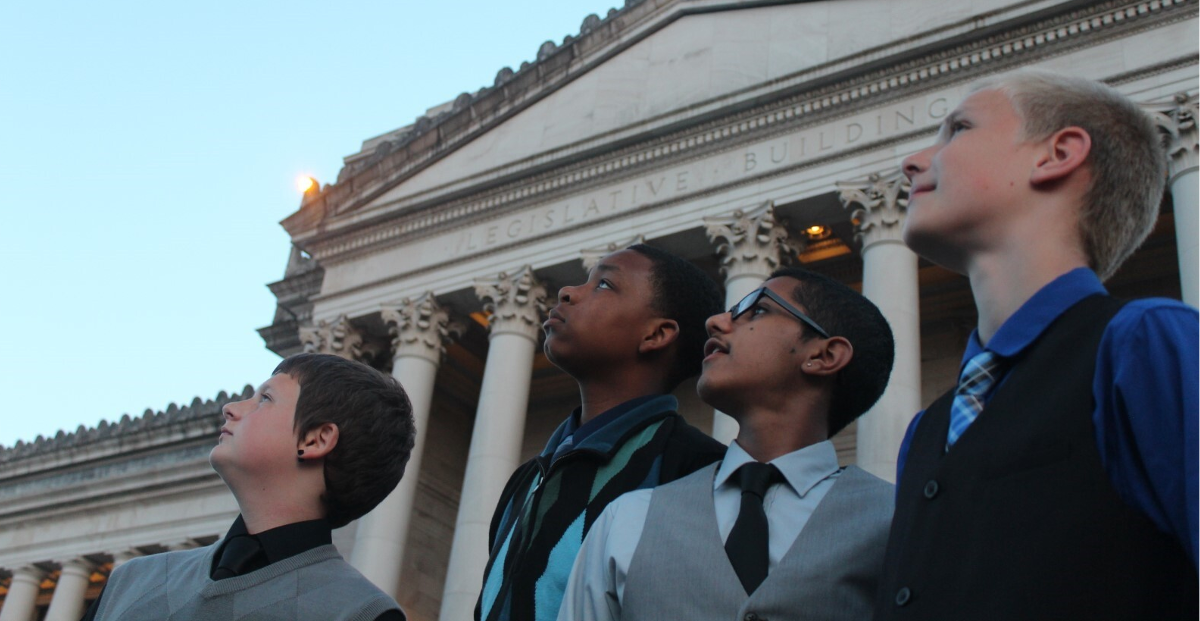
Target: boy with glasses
(777, 530)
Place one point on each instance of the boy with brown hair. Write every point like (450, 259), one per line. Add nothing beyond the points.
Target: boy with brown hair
(1059, 479)
(318, 445)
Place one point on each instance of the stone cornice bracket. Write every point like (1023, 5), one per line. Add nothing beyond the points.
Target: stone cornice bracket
(751, 242)
(1177, 122)
(420, 327)
(591, 256)
(877, 206)
(338, 337)
(515, 303)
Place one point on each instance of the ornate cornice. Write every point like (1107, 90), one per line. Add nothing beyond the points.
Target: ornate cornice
(420, 327)
(751, 242)
(877, 206)
(514, 303)
(822, 93)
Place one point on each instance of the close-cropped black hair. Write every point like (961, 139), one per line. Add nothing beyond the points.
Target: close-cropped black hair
(375, 429)
(844, 312)
(684, 293)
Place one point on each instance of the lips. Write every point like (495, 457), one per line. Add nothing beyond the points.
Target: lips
(713, 347)
(555, 318)
(920, 188)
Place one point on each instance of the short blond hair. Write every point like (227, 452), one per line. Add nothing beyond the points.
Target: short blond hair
(1127, 161)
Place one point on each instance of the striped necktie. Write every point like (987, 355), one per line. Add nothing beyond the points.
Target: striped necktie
(978, 378)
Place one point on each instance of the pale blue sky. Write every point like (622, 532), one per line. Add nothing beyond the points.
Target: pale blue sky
(148, 152)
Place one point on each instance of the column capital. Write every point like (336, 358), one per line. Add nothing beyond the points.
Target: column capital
(1177, 122)
(338, 337)
(877, 206)
(29, 573)
(514, 302)
(751, 242)
(591, 256)
(420, 327)
(78, 566)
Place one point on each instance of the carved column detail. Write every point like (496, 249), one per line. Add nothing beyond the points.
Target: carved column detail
(67, 602)
(420, 327)
(420, 330)
(877, 206)
(1177, 121)
(21, 601)
(751, 242)
(591, 256)
(515, 302)
(337, 337)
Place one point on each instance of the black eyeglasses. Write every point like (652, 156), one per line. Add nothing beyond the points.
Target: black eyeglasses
(750, 300)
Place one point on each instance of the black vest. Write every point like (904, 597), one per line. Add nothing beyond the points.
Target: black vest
(1020, 520)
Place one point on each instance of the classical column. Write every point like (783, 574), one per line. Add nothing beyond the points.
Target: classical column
(1178, 124)
(420, 329)
(515, 304)
(751, 244)
(338, 337)
(21, 601)
(68, 599)
(890, 281)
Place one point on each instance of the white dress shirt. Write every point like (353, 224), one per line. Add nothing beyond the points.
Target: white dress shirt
(597, 583)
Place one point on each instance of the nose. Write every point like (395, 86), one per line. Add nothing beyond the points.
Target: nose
(718, 323)
(564, 294)
(916, 163)
(228, 412)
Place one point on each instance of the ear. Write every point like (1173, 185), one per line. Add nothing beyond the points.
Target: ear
(318, 442)
(1065, 152)
(663, 332)
(830, 357)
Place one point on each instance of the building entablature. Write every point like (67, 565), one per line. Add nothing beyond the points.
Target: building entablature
(884, 76)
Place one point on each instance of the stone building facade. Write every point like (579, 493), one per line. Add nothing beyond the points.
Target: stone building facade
(740, 134)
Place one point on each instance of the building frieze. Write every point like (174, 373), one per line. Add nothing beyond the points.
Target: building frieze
(811, 111)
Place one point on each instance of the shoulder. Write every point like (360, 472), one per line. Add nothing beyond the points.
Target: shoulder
(1153, 318)
(870, 488)
(338, 580)
(688, 449)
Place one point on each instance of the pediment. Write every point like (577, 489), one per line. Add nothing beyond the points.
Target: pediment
(639, 73)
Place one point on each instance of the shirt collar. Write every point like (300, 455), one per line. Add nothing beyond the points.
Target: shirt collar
(803, 469)
(1033, 317)
(284, 541)
(570, 429)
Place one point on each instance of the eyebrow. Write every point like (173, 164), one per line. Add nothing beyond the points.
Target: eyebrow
(604, 267)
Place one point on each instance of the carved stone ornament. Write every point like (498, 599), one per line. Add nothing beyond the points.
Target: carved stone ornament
(420, 327)
(1177, 122)
(877, 206)
(751, 242)
(514, 302)
(338, 337)
(591, 256)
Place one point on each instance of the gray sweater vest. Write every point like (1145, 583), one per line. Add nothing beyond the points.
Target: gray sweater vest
(316, 585)
(680, 570)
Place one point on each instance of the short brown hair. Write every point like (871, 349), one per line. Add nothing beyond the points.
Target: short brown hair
(1128, 163)
(375, 429)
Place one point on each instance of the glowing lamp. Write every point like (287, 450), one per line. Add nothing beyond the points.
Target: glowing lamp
(305, 183)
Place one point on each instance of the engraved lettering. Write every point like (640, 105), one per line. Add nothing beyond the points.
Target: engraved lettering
(549, 218)
(491, 235)
(822, 146)
(681, 181)
(751, 161)
(940, 106)
(782, 154)
(591, 208)
(912, 114)
(511, 232)
(567, 219)
(654, 190)
(854, 131)
(615, 195)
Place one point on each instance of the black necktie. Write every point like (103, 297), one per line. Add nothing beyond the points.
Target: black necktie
(747, 543)
(240, 555)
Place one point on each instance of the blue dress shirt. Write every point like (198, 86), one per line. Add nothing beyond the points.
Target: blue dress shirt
(1145, 390)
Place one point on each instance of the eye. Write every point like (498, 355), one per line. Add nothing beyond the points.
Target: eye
(264, 397)
(758, 309)
(957, 126)
(604, 284)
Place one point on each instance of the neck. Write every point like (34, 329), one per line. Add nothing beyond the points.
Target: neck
(265, 507)
(1000, 285)
(766, 432)
(600, 394)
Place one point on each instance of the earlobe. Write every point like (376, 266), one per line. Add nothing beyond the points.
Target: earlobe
(1065, 152)
(664, 332)
(833, 356)
(318, 442)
